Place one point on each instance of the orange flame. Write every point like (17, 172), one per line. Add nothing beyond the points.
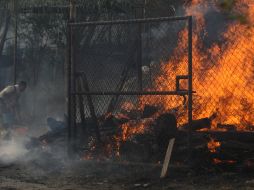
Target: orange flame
(134, 127)
(222, 76)
(213, 145)
(218, 161)
(223, 73)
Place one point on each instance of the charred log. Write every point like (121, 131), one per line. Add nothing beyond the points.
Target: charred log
(204, 123)
(226, 127)
(236, 145)
(165, 128)
(149, 111)
(138, 149)
(246, 137)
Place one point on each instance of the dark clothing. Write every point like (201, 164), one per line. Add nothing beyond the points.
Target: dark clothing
(55, 125)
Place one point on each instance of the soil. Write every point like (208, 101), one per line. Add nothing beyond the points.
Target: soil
(86, 175)
(51, 169)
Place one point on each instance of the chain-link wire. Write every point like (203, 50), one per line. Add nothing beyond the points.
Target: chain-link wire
(108, 56)
(131, 57)
(223, 75)
(41, 48)
(38, 54)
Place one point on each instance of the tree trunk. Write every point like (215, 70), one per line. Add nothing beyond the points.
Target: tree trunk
(5, 30)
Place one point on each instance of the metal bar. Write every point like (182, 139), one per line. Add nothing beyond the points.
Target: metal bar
(51, 9)
(178, 79)
(68, 72)
(146, 20)
(190, 80)
(182, 77)
(73, 66)
(71, 79)
(15, 40)
(110, 93)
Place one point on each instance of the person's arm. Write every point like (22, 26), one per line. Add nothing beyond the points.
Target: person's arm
(7, 91)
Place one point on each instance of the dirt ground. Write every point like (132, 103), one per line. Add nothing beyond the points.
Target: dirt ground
(85, 175)
(51, 169)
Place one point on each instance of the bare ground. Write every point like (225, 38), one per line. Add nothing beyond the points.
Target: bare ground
(107, 175)
(52, 170)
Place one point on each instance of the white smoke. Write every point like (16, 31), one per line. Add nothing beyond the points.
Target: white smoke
(13, 150)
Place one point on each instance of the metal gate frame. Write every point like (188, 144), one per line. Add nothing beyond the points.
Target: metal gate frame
(72, 73)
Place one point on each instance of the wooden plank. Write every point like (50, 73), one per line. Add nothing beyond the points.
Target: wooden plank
(241, 136)
(167, 158)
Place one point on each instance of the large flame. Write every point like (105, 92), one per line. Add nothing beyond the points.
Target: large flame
(223, 72)
(223, 75)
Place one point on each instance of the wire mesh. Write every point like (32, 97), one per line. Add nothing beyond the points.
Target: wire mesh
(117, 65)
(109, 54)
(222, 78)
(41, 46)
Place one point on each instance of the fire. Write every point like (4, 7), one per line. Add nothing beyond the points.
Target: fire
(222, 73)
(218, 161)
(223, 76)
(213, 145)
(127, 106)
(130, 129)
(134, 127)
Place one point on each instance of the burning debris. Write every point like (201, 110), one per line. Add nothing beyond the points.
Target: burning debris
(213, 145)
(134, 122)
(222, 105)
(222, 70)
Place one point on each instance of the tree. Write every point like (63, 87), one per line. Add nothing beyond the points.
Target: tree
(4, 25)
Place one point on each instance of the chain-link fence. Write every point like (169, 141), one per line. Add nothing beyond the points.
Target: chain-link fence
(32, 44)
(223, 79)
(129, 69)
(33, 48)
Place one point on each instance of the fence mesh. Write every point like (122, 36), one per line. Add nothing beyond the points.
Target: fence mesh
(110, 56)
(223, 74)
(41, 39)
(117, 62)
(41, 49)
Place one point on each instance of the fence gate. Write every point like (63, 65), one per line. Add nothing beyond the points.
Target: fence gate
(125, 67)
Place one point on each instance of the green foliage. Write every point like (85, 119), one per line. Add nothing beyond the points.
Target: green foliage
(227, 5)
(240, 17)
(41, 34)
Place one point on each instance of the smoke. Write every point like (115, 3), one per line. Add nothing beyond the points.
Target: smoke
(16, 148)
(13, 150)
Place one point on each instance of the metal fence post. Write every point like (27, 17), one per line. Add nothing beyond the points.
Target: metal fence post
(68, 83)
(71, 107)
(15, 14)
(190, 90)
